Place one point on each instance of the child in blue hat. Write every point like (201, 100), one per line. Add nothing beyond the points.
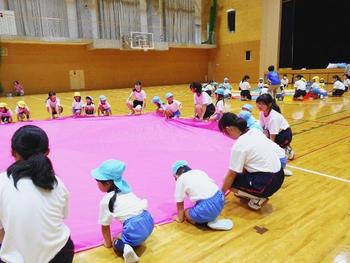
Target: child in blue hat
(122, 204)
(200, 188)
(104, 108)
(172, 108)
(159, 105)
(219, 105)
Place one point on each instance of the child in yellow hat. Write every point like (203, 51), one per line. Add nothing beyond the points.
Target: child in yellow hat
(5, 113)
(22, 111)
(77, 105)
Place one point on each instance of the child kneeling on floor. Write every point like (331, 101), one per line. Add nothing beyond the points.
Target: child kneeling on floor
(200, 188)
(122, 204)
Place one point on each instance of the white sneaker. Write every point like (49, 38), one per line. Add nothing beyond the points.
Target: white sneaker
(289, 153)
(287, 172)
(256, 203)
(129, 254)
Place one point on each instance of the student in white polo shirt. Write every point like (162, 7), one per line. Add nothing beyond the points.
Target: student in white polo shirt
(300, 88)
(275, 126)
(255, 170)
(33, 204)
(203, 104)
(338, 87)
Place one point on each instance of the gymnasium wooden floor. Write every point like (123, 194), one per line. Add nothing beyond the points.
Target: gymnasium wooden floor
(308, 220)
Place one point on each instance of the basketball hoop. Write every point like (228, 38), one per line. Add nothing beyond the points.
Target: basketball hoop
(142, 41)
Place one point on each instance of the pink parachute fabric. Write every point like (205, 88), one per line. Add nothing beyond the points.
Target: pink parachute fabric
(148, 144)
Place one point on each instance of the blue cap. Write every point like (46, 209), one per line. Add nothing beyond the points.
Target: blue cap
(220, 91)
(177, 165)
(247, 107)
(112, 170)
(156, 99)
(245, 115)
(103, 97)
(168, 95)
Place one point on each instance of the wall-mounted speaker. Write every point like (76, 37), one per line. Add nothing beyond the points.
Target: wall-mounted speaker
(231, 20)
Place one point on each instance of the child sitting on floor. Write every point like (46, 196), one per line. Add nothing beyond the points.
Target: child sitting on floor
(122, 204)
(104, 108)
(139, 103)
(89, 107)
(77, 105)
(5, 113)
(200, 188)
(160, 107)
(172, 108)
(53, 105)
(22, 111)
(219, 105)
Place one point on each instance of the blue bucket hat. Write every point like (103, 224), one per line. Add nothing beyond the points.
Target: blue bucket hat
(177, 165)
(247, 107)
(156, 99)
(247, 116)
(103, 97)
(168, 95)
(112, 170)
(220, 91)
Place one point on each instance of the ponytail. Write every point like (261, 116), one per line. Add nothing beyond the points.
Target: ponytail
(31, 143)
(38, 168)
(113, 198)
(275, 106)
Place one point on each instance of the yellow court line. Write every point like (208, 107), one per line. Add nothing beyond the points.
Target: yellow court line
(320, 174)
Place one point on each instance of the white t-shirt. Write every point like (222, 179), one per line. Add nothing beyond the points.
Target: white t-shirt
(125, 206)
(338, 85)
(173, 107)
(89, 106)
(264, 91)
(300, 85)
(346, 82)
(220, 107)
(195, 184)
(203, 99)
(244, 85)
(254, 152)
(53, 104)
(33, 220)
(274, 122)
(140, 96)
(210, 87)
(105, 106)
(19, 110)
(77, 105)
(284, 81)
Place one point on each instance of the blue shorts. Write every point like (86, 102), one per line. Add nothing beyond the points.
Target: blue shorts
(137, 229)
(176, 114)
(208, 209)
(283, 162)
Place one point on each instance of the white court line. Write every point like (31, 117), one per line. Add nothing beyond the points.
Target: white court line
(37, 98)
(321, 174)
